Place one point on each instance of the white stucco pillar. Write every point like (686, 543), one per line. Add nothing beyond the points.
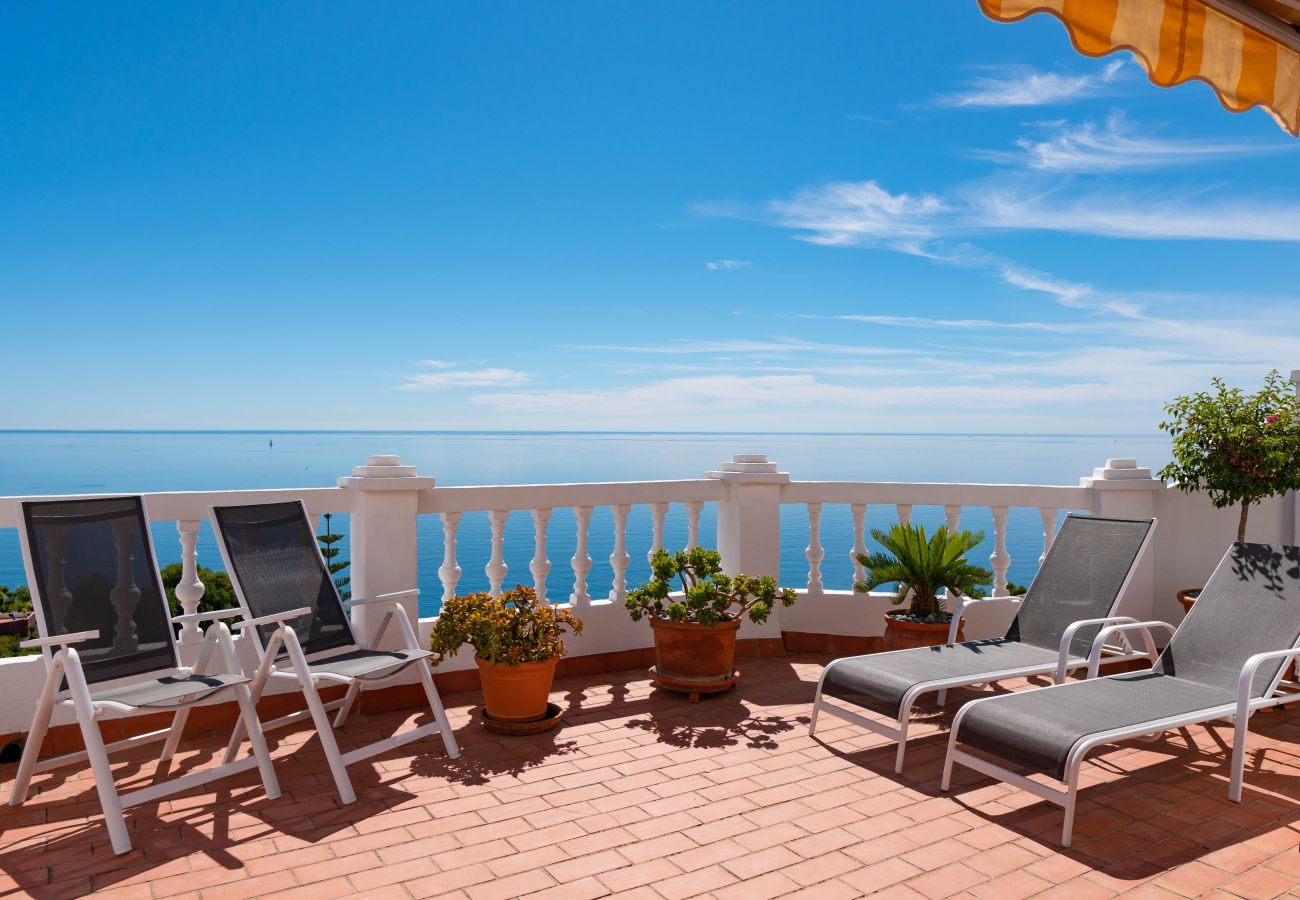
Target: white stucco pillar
(749, 524)
(1124, 491)
(384, 543)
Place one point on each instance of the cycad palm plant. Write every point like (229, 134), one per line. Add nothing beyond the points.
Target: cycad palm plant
(923, 567)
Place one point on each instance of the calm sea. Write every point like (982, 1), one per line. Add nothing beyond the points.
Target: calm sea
(43, 463)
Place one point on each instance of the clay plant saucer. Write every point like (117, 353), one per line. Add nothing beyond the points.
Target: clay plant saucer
(691, 686)
(552, 718)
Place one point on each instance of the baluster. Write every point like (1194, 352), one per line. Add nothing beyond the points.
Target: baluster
(496, 568)
(859, 539)
(693, 508)
(1000, 559)
(56, 542)
(814, 553)
(952, 518)
(657, 513)
(125, 595)
(449, 572)
(904, 513)
(1048, 514)
(581, 561)
(619, 559)
(541, 566)
(189, 590)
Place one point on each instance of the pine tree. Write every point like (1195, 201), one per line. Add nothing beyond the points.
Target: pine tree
(328, 539)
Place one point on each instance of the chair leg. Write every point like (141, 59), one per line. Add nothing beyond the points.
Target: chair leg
(812, 720)
(1072, 795)
(260, 678)
(248, 712)
(109, 801)
(439, 714)
(903, 721)
(36, 734)
(320, 717)
(174, 736)
(1238, 759)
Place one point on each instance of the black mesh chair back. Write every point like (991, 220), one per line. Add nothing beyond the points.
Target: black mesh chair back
(274, 558)
(93, 570)
(1250, 605)
(1081, 578)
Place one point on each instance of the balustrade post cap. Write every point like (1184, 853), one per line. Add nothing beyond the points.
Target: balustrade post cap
(385, 472)
(1295, 378)
(749, 467)
(1121, 473)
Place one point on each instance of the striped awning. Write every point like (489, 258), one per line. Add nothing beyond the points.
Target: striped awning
(1248, 51)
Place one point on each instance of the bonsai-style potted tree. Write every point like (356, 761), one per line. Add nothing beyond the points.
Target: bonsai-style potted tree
(516, 641)
(922, 568)
(695, 630)
(1239, 448)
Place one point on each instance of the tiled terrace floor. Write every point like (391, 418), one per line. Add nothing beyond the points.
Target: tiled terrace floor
(641, 793)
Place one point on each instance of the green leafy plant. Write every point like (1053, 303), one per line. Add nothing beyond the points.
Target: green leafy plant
(923, 567)
(507, 630)
(707, 595)
(1239, 448)
(15, 603)
(328, 539)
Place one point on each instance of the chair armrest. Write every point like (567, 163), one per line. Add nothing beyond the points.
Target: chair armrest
(278, 618)
(1247, 677)
(59, 640)
(967, 604)
(1094, 654)
(394, 597)
(1067, 638)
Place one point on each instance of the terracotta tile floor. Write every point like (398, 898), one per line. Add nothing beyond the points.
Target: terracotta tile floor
(643, 794)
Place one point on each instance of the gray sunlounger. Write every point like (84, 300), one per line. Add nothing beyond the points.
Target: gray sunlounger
(1074, 593)
(1225, 661)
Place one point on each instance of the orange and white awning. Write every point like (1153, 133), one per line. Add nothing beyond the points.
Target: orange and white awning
(1247, 50)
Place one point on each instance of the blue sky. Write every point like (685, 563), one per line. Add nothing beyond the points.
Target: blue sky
(722, 216)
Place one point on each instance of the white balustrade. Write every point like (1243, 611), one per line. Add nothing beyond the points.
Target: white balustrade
(1048, 514)
(189, 590)
(1000, 559)
(581, 561)
(859, 511)
(952, 518)
(496, 567)
(449, 572)
(619, 559)
(540, 566)
(814, 552)
(125, 594)
(657, 513)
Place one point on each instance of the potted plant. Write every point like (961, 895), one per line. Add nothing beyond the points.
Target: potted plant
(1239, 448)
(695, 631)
(516, 641)
(921, 568)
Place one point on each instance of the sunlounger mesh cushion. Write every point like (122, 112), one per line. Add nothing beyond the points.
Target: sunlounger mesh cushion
(359, 663)
(169, 691)
(878, 681)
(1251, 605)
(94, 570)
(273, 552)
(1080, 579)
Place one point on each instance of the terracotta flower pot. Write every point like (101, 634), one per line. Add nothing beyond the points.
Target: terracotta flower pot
(516, 693)
(1187, 596)
(901, 634)
(694, 658)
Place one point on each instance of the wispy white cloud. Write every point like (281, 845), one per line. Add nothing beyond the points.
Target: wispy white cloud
(449, 378)
(957, 324)
(1012, 86)
(436, 364)
(727, 265)
(1115, 146)
(847, 212)
(687, 346)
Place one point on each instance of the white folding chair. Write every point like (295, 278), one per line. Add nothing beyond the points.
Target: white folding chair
(109, 644)
(302, 631)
